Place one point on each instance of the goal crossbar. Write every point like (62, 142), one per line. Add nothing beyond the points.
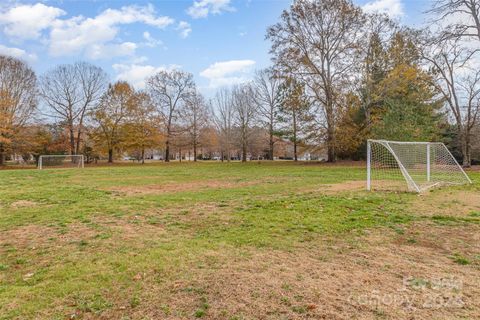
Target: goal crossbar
(415, 166)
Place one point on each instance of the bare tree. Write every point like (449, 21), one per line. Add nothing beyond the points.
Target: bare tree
(18, 99)
(315, 42)
(170, 90)
(243, 100)
(267, 87)
(462, 18)
(195, 117)
(476, 142)
(71, 91)
(224, 114)
(459, 85)
(453, 57)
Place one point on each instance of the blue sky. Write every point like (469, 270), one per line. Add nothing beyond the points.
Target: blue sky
(220, 41)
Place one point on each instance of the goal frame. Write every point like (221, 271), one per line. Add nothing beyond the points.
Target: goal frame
(80, 166)
(406, 175)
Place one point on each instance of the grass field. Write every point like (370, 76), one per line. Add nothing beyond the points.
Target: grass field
(234, 241)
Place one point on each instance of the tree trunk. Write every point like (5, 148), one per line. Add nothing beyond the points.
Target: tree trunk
(466, 150)
(143, 155)
(244, 144)
(294, 118)
(72, 140)
(110, 155)
(244, 152)
(2, 155)
(331, 156)
(270, 150)
(79, 136)
(167, 151)
(368, 117)
(180, 152)
(195, 151)
(330, 153)
(167, 142)
(37, 159)
(295, 155)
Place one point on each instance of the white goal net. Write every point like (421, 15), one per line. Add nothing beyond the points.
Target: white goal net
(60, 161)
(412, 166)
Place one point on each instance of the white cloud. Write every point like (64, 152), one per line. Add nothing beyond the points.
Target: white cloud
(227, 73)
(136, 74)
(138, 60)
(132, 14)
(27, 21)
(18, 53)
(84, 35)
(202, 8)
(393, 8)
(101, 51)
(151, 41)
(95, 37)
(184, 28)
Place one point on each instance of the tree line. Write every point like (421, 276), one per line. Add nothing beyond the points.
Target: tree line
(339, 76)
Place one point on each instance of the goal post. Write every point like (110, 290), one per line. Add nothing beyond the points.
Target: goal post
(61, 161)
(412, 166)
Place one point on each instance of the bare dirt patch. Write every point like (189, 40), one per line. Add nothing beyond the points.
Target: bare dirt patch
(27, 236)
(178, 187)
(343, 186)
(135, 228)
(353, 185)
(357, 185)
(23, 204)
(339, 163)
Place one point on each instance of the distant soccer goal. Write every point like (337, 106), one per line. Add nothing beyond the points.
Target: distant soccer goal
(60, 161)
(411, 166)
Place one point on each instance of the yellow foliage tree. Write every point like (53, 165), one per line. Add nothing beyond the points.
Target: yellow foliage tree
(352, 131)
(18, 100)
(143, 127)
(110, 116)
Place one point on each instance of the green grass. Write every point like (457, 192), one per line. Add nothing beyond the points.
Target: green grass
(93, 248)
(457, 258)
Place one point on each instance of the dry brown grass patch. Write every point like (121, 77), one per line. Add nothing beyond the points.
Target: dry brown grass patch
(178, 187)
(27, 236)
(355, 279)
(447, 202)
(121, 229)
(354, 185)
(357, 185)
(23, 204)
(344, 186)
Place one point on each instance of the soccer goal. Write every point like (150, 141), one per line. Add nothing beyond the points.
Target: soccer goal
(412, 166)
(60, 161)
